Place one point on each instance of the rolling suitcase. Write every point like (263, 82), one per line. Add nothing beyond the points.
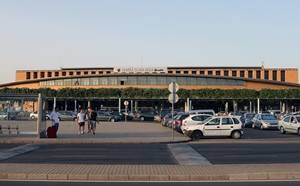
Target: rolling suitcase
(51, 132)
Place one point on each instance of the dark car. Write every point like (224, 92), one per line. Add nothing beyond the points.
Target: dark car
(122, 115)
(105, 116)
(164, 112)
(167, 117)
(146, 115)
(178, 121)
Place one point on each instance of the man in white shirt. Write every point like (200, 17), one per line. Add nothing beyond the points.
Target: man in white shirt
(81, 121)
(54, 116)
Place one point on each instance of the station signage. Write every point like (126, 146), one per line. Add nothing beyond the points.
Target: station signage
(140, 69)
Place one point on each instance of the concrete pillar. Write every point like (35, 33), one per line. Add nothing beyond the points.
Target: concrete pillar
(287, 106)
(54, 103)
(131, 105)
(187, 105)
(136, 106)
(258, 105)
(235, 106)
(283, 108)
(75, 103)
(280, 106)
(66, 105)
(119, 104)
(190, 105)
(250, 106)
(226, 107)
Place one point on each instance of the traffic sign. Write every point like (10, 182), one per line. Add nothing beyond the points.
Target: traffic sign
(126, 102)
(173, 98)
(173, 87)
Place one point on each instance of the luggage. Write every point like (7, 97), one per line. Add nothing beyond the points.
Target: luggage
(51, 132)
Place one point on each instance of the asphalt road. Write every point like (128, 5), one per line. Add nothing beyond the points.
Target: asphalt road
(110, 154)
(57, 183)
(249, 153)
(158, 154)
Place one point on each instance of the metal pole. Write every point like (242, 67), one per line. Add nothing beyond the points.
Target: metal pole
(119, 104)
(54, 103)
(258, 105)
(174, 90)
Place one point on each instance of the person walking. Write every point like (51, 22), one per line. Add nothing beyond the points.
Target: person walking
(54, 116)
(81, 121)
(92, 120)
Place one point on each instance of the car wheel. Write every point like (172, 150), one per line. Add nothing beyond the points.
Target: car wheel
(112, 119)
(32, 117)
(59, 119)
(197, 135)
(47, 118)
(282, 131)
(236, 135)
(253, 126)
(142, 118)
(261, 127)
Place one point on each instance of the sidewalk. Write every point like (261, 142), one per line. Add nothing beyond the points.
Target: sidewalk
(149, 172)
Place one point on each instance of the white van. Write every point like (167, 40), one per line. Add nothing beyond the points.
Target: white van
(203, 111)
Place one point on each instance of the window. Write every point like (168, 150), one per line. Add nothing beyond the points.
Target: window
(210, 72)
(112, 80)
(201, 81)
(250, 74)
(78, 73)
(84, 81)
(171, 79)
(161, 80)
(227, 121)
(100, 72)
(266, 74)
(236, 121)
(71, 73)
(63, 73)
(234, 73)
(142, 80)
(194, 72)
(27, 75)
(34, 75)
(49, 74)
(151, 80)
(94, 81)
(211, 81)
(59, 82)
(56, 74)
(274, 75)
(186, 72)
(191, 81)
(181, 80)
(85, 72)
(226, 73)
(202, 72)
(218, 72)
(215, 121)
(103, 81)
(258, 74)
(42, 74)
(50, 83)
(282, 75)
(93, 72)
(170, 72)
(107, 72)
(67, 82)
(177, 72)
(242, 73)
(287, 119)
(132, 80)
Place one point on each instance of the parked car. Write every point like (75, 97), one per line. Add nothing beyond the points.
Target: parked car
(33, 115)
(265, 121)
(105, 116)
(216, 126)
(290, 124)
(247, 119)
(146, 115)
(203, 111)
(178, 121)
(167, 117)
(164, 112)
(194, 120)
(67, 116)
(122, 115)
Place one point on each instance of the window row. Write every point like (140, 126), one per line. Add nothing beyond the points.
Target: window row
(142, 80)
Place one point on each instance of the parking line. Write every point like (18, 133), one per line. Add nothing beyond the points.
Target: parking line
(186, 155)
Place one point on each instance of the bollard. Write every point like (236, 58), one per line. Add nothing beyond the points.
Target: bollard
(8, 127)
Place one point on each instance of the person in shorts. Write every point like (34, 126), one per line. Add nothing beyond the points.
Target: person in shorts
(81, 121)
(92, 120)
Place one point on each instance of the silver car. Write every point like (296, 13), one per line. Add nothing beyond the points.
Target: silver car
(290, 124)
(265, 121)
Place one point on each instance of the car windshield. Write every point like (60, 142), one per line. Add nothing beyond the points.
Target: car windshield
(268, 117)
(205, 121)
(250, 115)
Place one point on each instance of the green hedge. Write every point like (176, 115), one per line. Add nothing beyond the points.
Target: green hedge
(131, 92)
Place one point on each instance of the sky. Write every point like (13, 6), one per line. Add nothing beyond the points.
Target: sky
(49, 34)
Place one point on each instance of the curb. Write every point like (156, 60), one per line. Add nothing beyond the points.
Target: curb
(140, 177)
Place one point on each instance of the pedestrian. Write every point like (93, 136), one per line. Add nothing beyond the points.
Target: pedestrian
(81, 121)
(92, 120)
(54, 116)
